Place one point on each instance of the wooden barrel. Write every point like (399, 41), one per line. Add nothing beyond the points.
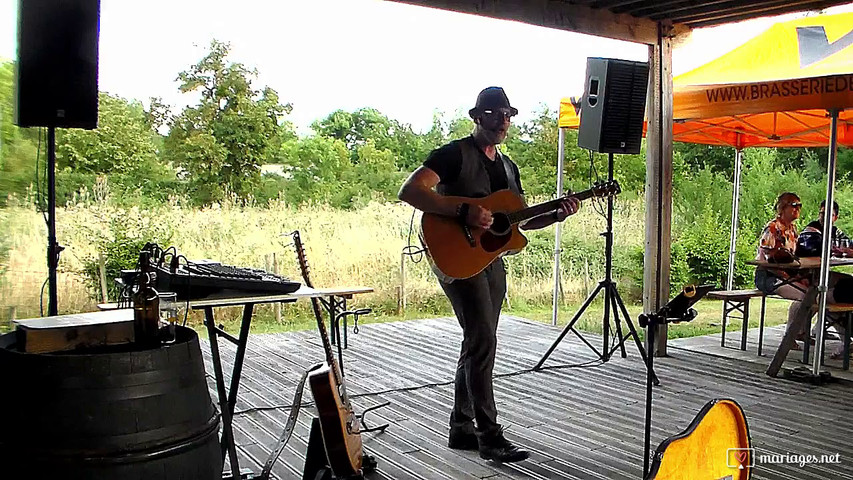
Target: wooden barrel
(112, 413)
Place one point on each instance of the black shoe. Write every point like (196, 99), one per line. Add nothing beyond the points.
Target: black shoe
(499, 449)
(463, 441)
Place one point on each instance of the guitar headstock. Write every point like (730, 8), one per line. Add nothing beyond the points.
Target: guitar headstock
(301, 258)
(606, 189)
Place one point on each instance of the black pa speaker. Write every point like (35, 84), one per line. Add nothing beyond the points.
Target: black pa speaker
(614, 105)
(57, 68)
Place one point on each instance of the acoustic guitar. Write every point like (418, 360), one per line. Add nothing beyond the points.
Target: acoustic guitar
(716, 446)
(459, 251)
(340, 426)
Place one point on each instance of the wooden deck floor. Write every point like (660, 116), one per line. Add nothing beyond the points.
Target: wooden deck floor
(579, 423)
(711, 345)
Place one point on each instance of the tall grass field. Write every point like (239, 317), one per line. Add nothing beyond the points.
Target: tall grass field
(365, 247)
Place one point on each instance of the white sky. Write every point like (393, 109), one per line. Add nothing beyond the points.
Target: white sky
(321, 55)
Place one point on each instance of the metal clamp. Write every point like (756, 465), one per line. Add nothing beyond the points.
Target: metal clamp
(338, 318)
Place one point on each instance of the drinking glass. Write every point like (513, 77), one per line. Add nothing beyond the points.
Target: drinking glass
(169, 308)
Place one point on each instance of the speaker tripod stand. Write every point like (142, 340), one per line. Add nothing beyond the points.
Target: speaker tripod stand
(612, 303)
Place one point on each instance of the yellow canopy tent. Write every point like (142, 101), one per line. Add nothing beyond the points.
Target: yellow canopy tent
(773, 90)
(791, 86)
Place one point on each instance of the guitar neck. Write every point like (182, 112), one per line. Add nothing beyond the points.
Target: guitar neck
(315, 305)
(327, 347)
(542, 208)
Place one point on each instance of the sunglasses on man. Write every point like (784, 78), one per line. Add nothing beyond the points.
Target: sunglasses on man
(502, 113)
(796, 204)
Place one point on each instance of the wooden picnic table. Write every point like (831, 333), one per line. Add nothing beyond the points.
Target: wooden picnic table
(808, 267)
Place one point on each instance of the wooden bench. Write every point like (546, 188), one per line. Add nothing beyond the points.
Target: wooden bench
(845, 310)
(738, 301)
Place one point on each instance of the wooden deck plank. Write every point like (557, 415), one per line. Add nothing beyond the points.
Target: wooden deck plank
(710, 344)
(579, 423)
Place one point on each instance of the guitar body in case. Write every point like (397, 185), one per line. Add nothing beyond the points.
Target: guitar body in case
(715, 446)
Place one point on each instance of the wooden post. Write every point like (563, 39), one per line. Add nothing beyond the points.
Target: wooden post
(585, 277)
(276, 306)
(12, 313)
(658, 183)
(102, 276)
(399, 300)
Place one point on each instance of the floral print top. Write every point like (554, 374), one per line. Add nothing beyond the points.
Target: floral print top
(776, 235)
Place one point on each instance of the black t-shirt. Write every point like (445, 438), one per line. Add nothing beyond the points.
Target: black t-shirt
(446, 162)
(836, 232)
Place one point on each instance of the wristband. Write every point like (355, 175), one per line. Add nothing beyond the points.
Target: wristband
(462, 212)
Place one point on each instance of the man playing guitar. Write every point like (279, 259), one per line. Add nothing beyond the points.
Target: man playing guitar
(473, 167)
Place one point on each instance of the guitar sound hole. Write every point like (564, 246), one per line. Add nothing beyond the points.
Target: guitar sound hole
(500, 224)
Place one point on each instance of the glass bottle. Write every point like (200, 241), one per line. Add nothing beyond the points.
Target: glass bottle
(146, 305)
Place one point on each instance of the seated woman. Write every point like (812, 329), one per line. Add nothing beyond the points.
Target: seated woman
(780, 235)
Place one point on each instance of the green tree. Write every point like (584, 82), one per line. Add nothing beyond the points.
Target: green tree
(19, 147)
(533, 147)
(222, 142)
(313, 168)
(158, 114)
(375, 176)
(125, 146)
(8, 132)
(696, 156)
(365, 125)
(460, 127)
(124, 141)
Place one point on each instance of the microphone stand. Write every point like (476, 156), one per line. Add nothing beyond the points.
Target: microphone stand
(650, 323)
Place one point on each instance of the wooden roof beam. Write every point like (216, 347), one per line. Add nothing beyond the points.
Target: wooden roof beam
(611, 4)
(714, 16)
(560, 15)
(667, 7)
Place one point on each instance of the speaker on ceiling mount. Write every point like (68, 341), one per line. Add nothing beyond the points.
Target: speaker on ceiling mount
(57, 65)
(613, 106)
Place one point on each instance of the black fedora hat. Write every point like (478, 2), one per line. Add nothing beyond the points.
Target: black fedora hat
(492, 98)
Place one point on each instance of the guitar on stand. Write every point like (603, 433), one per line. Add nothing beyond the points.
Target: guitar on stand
(340, 426)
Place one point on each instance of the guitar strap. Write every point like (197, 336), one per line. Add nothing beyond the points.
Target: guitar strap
(288, 428)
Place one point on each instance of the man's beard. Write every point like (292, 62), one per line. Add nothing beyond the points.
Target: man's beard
(492, 137)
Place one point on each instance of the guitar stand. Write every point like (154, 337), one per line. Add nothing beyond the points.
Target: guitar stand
(316, 460)
(337, 331)
(317, 463)
(356, 314)
(380, 428)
